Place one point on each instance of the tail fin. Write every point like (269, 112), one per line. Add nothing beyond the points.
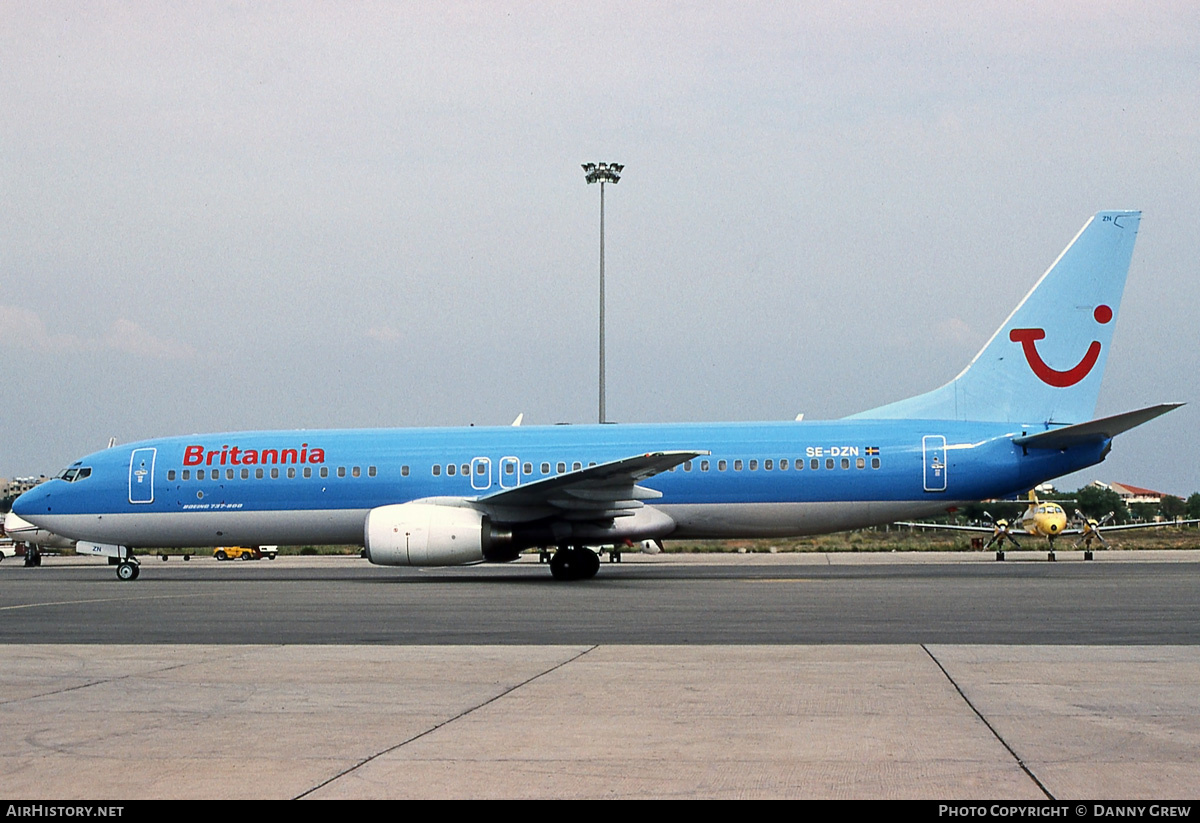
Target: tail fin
(1044, 364)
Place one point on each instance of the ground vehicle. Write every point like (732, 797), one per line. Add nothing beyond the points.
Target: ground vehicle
(245, 552)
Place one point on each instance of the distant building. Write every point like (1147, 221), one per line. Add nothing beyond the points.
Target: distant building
(1132, 494)
(19, 485)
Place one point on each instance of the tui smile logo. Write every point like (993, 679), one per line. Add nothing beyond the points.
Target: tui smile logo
(1052, 377)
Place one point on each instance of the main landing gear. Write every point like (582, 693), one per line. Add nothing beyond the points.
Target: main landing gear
(574, 563)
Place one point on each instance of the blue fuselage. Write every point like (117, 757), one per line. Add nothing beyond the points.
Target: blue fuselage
(756, 480)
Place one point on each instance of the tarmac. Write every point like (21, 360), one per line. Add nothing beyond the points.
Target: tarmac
(958, 722)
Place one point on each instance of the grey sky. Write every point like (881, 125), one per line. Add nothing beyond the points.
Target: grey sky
(229, 215)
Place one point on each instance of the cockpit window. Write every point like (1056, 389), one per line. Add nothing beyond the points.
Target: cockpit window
(74, 473)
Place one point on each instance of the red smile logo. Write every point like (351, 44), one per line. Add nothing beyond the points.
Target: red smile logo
(1052, 377)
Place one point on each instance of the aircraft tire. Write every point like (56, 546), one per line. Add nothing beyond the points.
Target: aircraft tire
(1000, 555)
(574, 563)
(126, 571)
(590, 564)
(1087, 555)
(562, 564)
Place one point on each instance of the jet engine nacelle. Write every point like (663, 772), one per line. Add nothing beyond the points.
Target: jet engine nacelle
(432, 534)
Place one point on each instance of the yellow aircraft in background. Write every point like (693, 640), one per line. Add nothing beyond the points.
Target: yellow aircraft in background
(1047, 519)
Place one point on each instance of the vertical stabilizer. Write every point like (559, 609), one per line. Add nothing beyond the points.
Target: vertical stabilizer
(1044, 364)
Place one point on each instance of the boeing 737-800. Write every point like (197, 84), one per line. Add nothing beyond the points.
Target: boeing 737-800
(1018, 415)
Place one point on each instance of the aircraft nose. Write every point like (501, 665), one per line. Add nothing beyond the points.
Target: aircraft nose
(15, 524)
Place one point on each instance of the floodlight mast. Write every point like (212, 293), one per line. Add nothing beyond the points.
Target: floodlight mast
(602, 173)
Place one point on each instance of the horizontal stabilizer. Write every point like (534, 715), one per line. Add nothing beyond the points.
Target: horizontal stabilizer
(1093, 431)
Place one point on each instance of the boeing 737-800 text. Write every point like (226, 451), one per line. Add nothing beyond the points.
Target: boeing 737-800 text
(1018, 415)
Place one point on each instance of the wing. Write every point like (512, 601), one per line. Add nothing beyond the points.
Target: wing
(1166, 524)
(948, 527)
(596, 493)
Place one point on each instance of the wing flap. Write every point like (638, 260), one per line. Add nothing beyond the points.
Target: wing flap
(596, 493)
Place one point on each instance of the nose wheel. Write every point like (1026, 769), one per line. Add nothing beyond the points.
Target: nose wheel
(127, 565)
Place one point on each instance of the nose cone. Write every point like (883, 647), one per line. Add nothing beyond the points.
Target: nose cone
(34, 502)
(20, 506)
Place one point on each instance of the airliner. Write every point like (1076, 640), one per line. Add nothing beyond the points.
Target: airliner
(1019, 414)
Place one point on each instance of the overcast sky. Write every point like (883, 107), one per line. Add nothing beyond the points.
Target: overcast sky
(244, 215)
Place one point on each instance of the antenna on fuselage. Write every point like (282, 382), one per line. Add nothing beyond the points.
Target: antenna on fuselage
(112, 441)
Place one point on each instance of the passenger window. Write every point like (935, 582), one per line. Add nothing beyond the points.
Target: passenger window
(450, 470)
(703, 465)
(466, 470)
(783, 465)
(403, 471)
(274, 474)
(437, 470)
(291, 472)
(737, 465)
(829, 462)
(308, 471)
(342, 471)
(258, 474)
(356, 471)
(753, 465)
(199, 474)
(576, 466)
(325, 471)
(545, 468)
(768, 465)
(527, 468)
(687, 467)
(816, 464)
(562, 467)
(722, 465)
(799, 465)
(229, 474)
(171, 474)
(370, 471)
(874, 462)
(508, 468)
(245, 474)
(860, 463)
(187, 474)
(481, 468)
